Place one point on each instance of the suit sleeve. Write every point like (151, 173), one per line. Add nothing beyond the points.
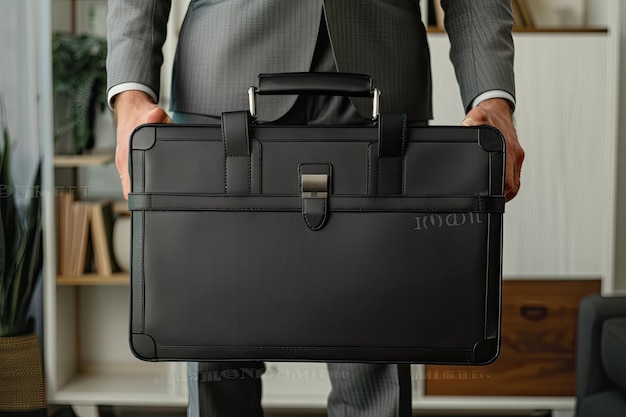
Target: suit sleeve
(482, 49)
(136, 31)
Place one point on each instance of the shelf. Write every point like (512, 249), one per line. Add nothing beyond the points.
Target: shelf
(553, 30)
(133, 384)
(97, 157)
(557, 30)
(87, 316)
(118, 278)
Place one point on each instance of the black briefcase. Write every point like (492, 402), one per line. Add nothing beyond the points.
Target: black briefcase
(379, 243)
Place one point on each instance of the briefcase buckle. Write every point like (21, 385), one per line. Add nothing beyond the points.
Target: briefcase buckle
(315, 189)
(314, 186)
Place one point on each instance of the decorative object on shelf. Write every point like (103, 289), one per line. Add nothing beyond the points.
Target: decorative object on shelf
(433, 13)
(521, 14)
(21, 375)
(79, 79)
(439, 14)
(556, 13)
(121, 241)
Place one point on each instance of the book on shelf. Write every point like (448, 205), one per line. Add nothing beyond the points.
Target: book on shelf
(439, 14)
(84, 239)
(79, 238)
(65, 199)
(521, 14)
(102, 237)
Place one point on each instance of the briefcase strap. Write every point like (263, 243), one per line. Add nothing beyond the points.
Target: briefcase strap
(387, 164)
(385, 175)
(237, 158)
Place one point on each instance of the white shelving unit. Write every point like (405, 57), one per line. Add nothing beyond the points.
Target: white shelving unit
(562, 222)
(561, 226)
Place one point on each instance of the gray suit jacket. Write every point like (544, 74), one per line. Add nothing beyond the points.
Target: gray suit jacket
(225, 44)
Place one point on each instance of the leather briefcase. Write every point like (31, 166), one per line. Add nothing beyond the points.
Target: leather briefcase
(378, 243)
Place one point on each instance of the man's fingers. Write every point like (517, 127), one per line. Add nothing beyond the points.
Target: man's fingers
(132, 108)
(468, 122)
(157, 115)
(515, 159)
(511, 188)
(154, 115)
(125, 185)
(497, 113)
(121, 162)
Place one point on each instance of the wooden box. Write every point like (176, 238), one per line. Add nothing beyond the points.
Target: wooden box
(537, 355)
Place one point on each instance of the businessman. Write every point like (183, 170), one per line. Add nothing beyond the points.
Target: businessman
(225, 44)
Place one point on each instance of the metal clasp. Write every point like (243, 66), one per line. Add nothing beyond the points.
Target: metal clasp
(252, 101)
(314, 186)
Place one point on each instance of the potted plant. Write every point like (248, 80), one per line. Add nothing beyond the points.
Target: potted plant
(79, 83)
(21, 372)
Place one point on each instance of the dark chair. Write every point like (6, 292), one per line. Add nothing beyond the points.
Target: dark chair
(601, 357)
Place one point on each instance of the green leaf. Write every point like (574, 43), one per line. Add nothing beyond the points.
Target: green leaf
(31, 261)
(21, 246)
(79, 74)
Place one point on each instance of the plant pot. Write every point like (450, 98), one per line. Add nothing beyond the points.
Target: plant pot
(22, 390)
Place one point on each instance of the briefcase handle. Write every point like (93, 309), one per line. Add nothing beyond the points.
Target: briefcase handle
(315, 83)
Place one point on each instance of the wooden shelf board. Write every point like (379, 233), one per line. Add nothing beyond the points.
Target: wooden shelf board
(560, 30)
(118, 278)
(97, 157)
(493, 403)
(526, 29)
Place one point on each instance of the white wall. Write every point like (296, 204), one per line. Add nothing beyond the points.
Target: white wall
(18, 84)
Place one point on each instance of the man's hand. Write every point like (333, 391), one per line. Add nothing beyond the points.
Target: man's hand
(132, 108)
(497, 112)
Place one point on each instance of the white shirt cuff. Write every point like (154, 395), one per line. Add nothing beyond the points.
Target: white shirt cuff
(120, 88)
(493, 94)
